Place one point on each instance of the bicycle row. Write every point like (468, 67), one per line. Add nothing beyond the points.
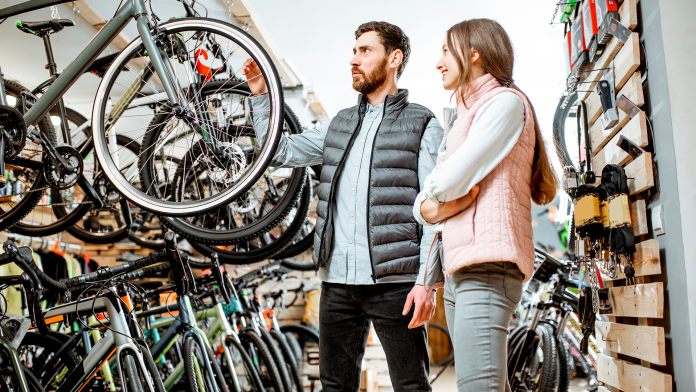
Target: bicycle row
(116, 330)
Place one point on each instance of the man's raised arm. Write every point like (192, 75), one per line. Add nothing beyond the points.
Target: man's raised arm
(305, 149)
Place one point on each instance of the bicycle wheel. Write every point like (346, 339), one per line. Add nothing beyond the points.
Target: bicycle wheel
(257, 211)
(107, 224)
(278, 357)
(564, 365)
(290, 360)
(36, 350)
(26, 185)
(308, 340)
(181, 43)
(294, 345)
(270, 243)
(305, 239)
(198, 378)
(533, 362)
(440, 347)
(248, 379)
(263, 360)
(132, 379)
(561, 136)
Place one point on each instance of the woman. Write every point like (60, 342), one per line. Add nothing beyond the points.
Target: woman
(492, 162)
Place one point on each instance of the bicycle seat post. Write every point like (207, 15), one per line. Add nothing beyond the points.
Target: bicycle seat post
(52, 68)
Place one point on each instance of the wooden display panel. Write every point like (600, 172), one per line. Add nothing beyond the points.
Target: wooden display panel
(639, 218)
(647, 343)
(628, 16)
(633, 90)
(646, 260)
(636, 131)
(641, 300)
(629, 377)
(641, 172)
(625, 64)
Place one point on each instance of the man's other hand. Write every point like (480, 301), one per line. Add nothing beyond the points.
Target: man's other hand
(256, 81)
(425, 306)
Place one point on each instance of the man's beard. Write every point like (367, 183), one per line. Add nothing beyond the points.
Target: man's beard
(371, 81)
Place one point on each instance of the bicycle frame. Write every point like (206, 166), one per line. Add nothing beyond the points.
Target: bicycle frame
(117, 341)
(135, 9)
(185, 325)
(220, 328)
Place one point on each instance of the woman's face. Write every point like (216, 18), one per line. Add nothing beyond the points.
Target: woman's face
(448, 67)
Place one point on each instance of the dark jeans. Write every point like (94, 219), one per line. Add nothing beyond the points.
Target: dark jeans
(345, 313)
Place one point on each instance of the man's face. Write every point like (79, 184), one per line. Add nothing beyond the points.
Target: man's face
(369, 63)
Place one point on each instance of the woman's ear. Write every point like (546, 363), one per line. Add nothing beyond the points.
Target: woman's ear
(475, 56)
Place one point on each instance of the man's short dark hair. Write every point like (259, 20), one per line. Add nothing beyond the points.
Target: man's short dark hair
(392, 37)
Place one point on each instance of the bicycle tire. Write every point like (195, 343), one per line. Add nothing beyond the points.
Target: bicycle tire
(290, 360)
(564, 364)
(304, 243)
(450, 355)
(299, 265)
(295, 347)
(559, 120)
(266, 252)
(302, 331)
(278, 358)
(67, 220)
(219, 375)
(549, 370)
(32, 381)
(88, 236)
(166, 207)
(267, 367)
(253, 375)
(50, 346)
(233, 235)
(20, 211)
(193, 355)
(133, 380)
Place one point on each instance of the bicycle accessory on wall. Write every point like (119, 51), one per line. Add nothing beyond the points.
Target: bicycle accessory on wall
(578, 48)
(606, 8)
(590, 29)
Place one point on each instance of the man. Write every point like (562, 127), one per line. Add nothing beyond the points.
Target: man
(368, 248)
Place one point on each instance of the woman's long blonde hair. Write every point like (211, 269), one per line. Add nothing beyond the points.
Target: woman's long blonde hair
(497, 55)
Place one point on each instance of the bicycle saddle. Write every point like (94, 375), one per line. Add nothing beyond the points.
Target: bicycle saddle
(44, 27)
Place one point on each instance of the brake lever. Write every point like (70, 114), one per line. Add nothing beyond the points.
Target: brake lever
(177, 264)
(218, 276)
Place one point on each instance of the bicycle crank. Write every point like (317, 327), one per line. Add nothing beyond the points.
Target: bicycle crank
(59, 175)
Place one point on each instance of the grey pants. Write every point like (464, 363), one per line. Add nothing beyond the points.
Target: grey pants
(479, 302)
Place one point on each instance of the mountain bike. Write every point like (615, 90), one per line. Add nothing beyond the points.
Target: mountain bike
(540, 348)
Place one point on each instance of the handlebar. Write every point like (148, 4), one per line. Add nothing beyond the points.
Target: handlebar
(108, 272)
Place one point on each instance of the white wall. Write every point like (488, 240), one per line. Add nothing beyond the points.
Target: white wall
(678, 32)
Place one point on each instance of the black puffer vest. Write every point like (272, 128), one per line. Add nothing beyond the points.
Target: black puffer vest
(394, 235)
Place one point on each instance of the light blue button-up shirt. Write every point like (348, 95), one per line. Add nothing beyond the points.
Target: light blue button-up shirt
(350, 259)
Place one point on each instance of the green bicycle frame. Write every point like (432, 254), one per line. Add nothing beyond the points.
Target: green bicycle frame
(131, 9)
(220, 328)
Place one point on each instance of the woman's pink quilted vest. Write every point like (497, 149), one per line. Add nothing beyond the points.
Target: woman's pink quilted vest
(498, 226)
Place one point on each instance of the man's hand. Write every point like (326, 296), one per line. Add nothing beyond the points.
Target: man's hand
(433, 212)
(256, 81)
(425, 306)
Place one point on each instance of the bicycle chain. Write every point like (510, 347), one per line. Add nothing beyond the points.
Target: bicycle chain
(555, 12)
